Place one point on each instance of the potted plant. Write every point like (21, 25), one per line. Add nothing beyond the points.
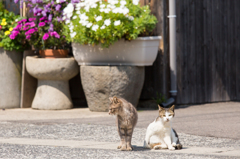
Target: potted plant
(109, 36)
(45, 31)
(10, 61)
(115, 32)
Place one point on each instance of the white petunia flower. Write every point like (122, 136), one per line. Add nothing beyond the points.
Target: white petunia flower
(75, 17)
(83, 22)
(69, 15)
(71, 27)
(107, 22)
(135, 2)
(67, 21)
(95, 27)
(94, 5)
(98, 18)
(89, 25)
(103, 27)
(113, 2)
(125, 10)
(131, 18)
(73, 34)
(69, 8)
(102, 6)
(87, 8)
(107, 10)
(123, 3)
(83, 16)
(118, 22)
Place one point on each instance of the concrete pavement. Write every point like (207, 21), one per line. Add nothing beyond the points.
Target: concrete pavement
(206, 131)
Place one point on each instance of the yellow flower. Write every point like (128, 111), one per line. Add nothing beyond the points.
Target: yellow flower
(7, 32)
(4, 20)
(3, 23)
(10, 29)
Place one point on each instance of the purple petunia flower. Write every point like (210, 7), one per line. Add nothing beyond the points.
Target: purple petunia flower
(31, 24)
(21, 21)
(44, 13)
(45, 36)
(43, 18)
(41, 24)
(50, 17)
(18, 27)
(32, 19)
(25, 28)
(14, 34)
(31, 31)
(58, 7)
(55, 34)
(75, 1)
(51, 28)
(59, 19)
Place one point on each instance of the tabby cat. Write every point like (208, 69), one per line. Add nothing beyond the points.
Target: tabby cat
(126, 120)
(160, 134)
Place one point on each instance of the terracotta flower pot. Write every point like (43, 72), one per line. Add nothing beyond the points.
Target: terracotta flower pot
(49, 53)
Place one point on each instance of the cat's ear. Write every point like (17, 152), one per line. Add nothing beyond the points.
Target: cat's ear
(115, 100)
(111, 99)
(172, 107)
(160, 108)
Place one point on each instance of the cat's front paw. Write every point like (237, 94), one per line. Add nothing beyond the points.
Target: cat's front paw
(171, 148)
(174, 144)
(120, 146)
(123, 148)
(129, 148)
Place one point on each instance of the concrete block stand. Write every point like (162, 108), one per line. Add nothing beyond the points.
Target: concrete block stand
(53, 76)
(10, 78)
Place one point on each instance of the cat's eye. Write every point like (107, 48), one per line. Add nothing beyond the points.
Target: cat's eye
(170, 115)
(164, 115)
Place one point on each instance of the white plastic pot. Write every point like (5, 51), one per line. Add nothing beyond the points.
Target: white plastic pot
(140, 52)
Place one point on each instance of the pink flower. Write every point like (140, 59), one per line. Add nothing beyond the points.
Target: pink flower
(41, 24)
(28, 37)
(45, 36)
(55, 34)
(0, 27)
(32, 19)
(31, 31)
(31, 24)
(25, 28)
(43, 18)
(14, 34)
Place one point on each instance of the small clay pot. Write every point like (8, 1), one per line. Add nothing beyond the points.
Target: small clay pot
(49, 53)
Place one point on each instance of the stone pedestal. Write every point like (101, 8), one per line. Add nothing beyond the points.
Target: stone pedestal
(10, 78)
(101, 82)
(53, 75)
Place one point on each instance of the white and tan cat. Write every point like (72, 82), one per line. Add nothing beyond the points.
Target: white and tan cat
(160, 134)
(126, 120)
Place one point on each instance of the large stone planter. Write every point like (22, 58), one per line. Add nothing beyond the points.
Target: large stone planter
(10, 78)
(115, 71)
(101, 82)
(140, 52)
(53, 75)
